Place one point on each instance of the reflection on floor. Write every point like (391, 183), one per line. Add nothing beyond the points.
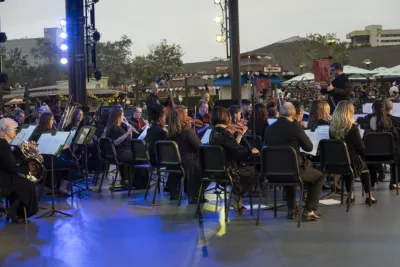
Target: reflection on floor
(114, 230)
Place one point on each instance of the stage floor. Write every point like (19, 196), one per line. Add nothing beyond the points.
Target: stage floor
(114, 230)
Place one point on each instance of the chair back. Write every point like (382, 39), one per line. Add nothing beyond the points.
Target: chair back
(140, 152)
(334, 156)
(107, 150)
(167, 153)
(256, 143)
(279, 165)
(212, 159)
(379, 146)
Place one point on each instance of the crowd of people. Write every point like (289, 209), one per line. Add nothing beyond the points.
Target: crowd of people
(227, 127)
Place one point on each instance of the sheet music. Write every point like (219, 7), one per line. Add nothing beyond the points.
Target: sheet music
(206, 137)
(144, 133)
(322, 132)
(367, 108)
(271, 121)
(49, 144)
(71, 136)
(23, 135)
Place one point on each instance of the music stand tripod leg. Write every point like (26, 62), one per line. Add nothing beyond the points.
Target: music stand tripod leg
(53, 207)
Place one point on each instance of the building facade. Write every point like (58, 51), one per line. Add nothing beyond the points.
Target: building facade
(374, 35)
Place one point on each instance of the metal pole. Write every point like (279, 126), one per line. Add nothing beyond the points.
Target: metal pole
(71, 36)
(186, 93)
(236, 92)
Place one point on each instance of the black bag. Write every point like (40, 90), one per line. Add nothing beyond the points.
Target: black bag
(243, 177)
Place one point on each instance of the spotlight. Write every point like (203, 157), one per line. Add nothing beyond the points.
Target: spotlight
(3, 37)
(95, 1)
(64, 61)
(3, 76)
(64, 47)
(63, 22)
(219, 38)
(96, 36)
(97, 75)
(217, 2)
(63, 35)
(218, 20)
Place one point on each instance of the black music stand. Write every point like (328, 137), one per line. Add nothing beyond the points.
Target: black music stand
(52, 155)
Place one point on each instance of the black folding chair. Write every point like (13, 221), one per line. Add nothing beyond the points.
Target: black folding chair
(214, 165)
(335, 159)
(168, 156)
(109, 157)
(141, 159)
(279, 167)
(380, 149)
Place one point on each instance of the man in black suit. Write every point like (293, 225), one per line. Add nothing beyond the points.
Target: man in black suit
(339, 89)
(287, 132)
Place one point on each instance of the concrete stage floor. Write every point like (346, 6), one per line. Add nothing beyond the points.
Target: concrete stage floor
(114, 230)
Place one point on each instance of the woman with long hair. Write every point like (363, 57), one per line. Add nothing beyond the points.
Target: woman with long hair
(319, 114)
(381, 122)
(243, 176)
(76, 120)
(236, 114)
(46, 124)
(343, 128)
(188, 142)
(261, 114)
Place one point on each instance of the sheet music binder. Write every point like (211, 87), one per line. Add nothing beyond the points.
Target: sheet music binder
(24, 135)
(85, 135)
(52, 143)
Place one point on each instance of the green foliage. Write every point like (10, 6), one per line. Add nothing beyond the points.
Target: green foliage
(315, 46)
(161, 58)
(114, 60)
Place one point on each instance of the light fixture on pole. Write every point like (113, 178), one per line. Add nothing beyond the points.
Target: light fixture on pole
(217, 2)
(367, 63)
(64, 60)
(218, 20)
(219, 38)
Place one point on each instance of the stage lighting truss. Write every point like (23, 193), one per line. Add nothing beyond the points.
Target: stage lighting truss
(92, 36)
(63, 46)
(223, 21)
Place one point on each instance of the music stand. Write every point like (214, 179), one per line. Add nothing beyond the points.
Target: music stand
(53, 149)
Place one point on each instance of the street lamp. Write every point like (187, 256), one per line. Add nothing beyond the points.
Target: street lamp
(367, 62)
(301, 66)
(330, 42)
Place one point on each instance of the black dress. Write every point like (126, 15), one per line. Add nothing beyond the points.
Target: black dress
(188, 144)
(14, 186)
(123, 149)
(243, 176)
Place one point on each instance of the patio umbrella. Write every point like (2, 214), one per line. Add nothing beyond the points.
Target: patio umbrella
(15, 101)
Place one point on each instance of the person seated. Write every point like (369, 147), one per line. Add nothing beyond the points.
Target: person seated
(299, 113)
(273, 113)
(343, 128)
(64, 161)
(137, 122)
(319, 114)
(156, 132)
(19, 117)
(121, 139)
(102, 124)
(243, 177)
(188, 142)
(236, 115)
(20, 191)
(207, 98)
(389, 111)
(76, 120)
(203, 117)
(261, 119)
(381, 122)
(286, 132)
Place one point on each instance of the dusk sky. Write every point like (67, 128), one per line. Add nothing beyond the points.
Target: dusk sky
(190, 23)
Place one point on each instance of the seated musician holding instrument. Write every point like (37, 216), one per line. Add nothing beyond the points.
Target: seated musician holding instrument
(157, 131)
(381, 122)
(46, 122)
(299, 113)
(137, 121)
(20, 191)
(320, 114)
(343, 128)
(236, 115)
(76, 120)
(246, 109)
(206, 97)
(286, 132)
(202, 118)
(188, 142)
(261, 114)
(243, 176)
(121, 138)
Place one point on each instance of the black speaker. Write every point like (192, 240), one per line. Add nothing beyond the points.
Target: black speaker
(226, 103)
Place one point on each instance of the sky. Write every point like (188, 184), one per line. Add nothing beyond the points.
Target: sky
(190, 23)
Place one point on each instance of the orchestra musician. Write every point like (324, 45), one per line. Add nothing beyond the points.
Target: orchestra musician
(206, 97)
(153, 100)
(57, 111)
(286, 132)
(299, 113)
(202, 119)
(46, 123)
(243, 176)
(339, 89)
(137, 121)
(157, 131)
(20, 191)
(76, 120)
(319, 114)
(343, 128)
(246, 109)
(261, 119)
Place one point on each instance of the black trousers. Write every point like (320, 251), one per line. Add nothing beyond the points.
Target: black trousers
(312, 180)
(364, 177)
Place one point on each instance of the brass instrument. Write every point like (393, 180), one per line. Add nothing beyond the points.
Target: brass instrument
(34, 160)
(69, 110)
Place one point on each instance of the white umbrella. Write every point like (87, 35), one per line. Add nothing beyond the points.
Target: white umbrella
(351, 70)
(304, 77)
(395, 69)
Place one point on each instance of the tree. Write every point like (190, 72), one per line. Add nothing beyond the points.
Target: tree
(114, 60)
(315, 46)
(161, 58)
(16, 66)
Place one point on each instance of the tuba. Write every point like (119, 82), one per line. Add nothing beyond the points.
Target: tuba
(34, 160)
